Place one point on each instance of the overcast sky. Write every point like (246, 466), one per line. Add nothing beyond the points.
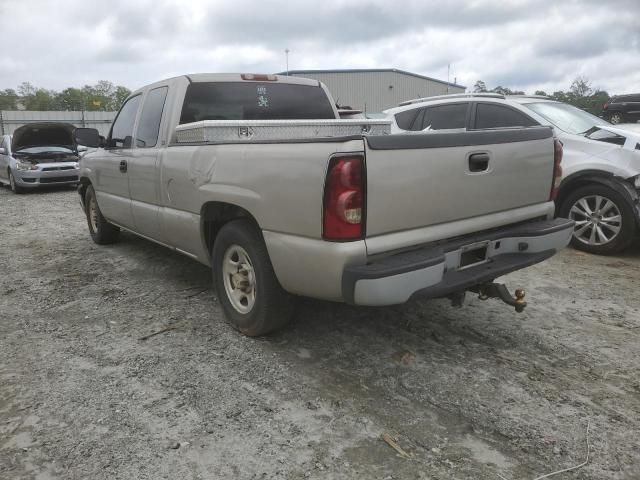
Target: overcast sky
(521, 44)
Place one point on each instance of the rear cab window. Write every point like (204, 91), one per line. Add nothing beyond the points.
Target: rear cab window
(254, 101)
(491, 115)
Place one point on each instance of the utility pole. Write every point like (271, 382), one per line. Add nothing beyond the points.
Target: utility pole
(448, 73)
(286, 53)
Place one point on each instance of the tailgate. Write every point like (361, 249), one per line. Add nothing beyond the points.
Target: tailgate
(419, 180)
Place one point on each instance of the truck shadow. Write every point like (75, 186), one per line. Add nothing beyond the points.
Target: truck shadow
(419, 321)
(633, 251)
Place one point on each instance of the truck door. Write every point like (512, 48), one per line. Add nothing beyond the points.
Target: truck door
(111, 177)
(144, 174)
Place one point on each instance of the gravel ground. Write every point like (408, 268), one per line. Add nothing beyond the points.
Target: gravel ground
(474, 393)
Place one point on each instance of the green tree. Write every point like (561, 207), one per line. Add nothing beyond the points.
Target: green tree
(479, 87)
(581, 87)
(506, 91)
(8, 99)
(71, 99)
(41, 99)
(25, 89)
(118, 97)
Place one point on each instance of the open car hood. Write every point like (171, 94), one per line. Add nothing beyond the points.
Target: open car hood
(44, 135)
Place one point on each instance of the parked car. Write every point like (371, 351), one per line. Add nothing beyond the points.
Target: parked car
(601, 164)
(622, 108)
(257, 177)
(39, 154)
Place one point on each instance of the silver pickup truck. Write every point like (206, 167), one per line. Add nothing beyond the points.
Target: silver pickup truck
(257, 177)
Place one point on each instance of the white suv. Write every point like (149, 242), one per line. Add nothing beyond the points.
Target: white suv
(601, 165)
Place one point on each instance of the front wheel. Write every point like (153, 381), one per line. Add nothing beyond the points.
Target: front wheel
(616, 118)
(12, 183)
(605, 223)
(102, 232)
(251, 296)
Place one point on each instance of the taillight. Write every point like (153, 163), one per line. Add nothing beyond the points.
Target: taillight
(344, 199)
(557, 169)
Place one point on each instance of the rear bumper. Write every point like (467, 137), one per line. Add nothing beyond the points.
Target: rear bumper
(435, 271)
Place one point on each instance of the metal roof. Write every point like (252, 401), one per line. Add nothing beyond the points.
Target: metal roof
(372, 70)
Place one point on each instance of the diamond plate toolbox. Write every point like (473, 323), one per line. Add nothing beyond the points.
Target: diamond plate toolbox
(236, 131)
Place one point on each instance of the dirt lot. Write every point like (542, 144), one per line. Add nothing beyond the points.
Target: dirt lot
(472, 393)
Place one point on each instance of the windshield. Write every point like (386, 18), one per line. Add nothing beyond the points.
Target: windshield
(566, 117)
(51, 149)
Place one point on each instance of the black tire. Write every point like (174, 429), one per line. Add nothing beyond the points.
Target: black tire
(271, 307)
(102, 232)
(616, 117)
(627, 227)
(12, 184)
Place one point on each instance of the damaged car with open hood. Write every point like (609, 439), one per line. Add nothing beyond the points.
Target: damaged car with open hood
(38, 155)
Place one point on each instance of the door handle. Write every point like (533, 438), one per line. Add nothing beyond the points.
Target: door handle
(478, 162)
(123, 166)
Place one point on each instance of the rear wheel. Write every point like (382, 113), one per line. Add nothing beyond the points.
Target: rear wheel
(605, 223)
(12, 183)
(251, 296)
(102, 232)
(616, 117)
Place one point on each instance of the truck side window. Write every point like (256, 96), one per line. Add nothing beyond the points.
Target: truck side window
(122, 130)
(444, 117)
(149, 125)
(498, 116)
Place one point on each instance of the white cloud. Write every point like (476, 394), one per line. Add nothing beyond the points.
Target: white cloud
(530, 45)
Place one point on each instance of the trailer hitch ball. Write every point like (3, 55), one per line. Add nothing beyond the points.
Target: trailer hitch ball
(500, 291)
(520, 303)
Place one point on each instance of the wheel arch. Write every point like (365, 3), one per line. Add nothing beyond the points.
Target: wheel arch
(214, 215)
(83, 184)
(599, 177)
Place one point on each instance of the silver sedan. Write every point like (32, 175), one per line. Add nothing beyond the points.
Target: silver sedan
(39, 154)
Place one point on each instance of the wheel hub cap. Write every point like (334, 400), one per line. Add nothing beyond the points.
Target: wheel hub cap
(598, 220)
(239, 279)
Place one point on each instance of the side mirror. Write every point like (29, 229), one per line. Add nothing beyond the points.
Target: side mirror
(89, 137)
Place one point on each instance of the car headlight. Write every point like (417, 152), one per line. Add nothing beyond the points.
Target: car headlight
(26, 166)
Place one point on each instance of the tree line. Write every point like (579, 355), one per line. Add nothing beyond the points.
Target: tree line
(580, 94)
(103, 96)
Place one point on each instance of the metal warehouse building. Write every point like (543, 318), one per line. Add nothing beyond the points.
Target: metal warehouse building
(374, 90)
(12, 119)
